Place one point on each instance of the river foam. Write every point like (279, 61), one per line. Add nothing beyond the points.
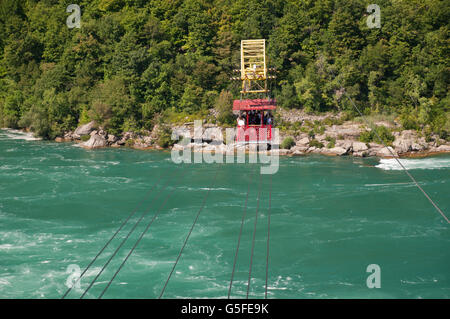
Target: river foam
(18, 135)
(417, 163)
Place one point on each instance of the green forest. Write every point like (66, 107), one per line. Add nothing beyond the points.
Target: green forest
(133, 61)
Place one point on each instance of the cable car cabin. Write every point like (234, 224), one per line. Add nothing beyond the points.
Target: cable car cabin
(255, 121)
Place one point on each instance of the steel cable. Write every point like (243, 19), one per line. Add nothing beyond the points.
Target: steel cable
(239, 238)
(254, 237)
(121, 244)
(138, 241)
(268, 235)
(189, 234)
(396, 158)
(113, 236)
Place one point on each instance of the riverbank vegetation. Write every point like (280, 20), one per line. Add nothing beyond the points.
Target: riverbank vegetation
(133, 61)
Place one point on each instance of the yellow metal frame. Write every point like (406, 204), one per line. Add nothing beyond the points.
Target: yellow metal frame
(253, 66)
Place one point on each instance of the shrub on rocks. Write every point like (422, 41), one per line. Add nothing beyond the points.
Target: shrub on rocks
(165, 137)
(315, 143)
(383, 132)
(287, 143)
(85, 138)
(331, 141)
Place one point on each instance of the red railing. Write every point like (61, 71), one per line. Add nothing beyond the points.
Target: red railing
(254, 133)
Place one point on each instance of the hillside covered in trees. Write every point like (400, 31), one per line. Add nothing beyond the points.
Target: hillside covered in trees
(133, 59)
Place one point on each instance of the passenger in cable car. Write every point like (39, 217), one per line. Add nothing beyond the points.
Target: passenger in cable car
(257, 118)
(269, 119)
(240, 120)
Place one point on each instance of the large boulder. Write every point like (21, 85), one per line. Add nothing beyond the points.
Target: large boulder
(345, 144)
(417, 147)
(402, 144)
(359, 147)
(112, 138)
(95, 141)
(443, 148)
(409, 134)
(299, 148)
(303, 142)
(349, 131)
(339, 151)
(386, 152)
(85, 129)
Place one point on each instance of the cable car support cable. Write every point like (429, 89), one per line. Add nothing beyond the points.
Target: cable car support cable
(398, 161)
(114, 235)
(138, 241)
(268, 235)
(254, 237)
(239, 238)
(123, 241)
(189, 234)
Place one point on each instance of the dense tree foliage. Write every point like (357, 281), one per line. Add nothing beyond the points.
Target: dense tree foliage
(133, 59)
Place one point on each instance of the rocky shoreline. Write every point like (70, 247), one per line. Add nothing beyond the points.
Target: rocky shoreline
(344, 137)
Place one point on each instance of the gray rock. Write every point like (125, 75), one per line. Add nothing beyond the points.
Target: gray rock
(409, 134)
(128, 135)
(361, 153)
(348, 131)
(384, 152)
(298, 148)
(443, 148)
(374, 151)
(375, 145)
(85, 129)
(102, 133)
(302, 142)
(95, 141)
(402, 145)
(346, 144)
(148, 140)
(339, 151)
(139, 143)
(112, 138)
(359, 147)
(417, 147)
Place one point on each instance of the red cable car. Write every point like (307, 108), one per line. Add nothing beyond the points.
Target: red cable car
(257, 122)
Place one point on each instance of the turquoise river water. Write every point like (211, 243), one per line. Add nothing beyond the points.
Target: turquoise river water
(331, 217)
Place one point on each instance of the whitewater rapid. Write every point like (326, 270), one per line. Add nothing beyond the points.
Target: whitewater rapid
(416, 163)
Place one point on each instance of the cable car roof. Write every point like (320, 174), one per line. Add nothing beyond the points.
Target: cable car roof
(254, 104)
